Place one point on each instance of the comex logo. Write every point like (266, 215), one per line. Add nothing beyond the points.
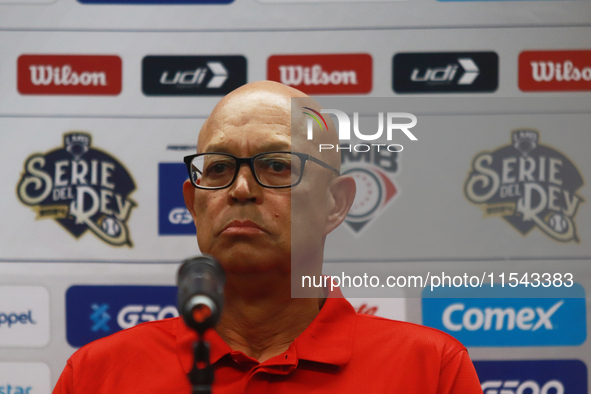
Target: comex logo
(519, 387)
(132, 315)
(80, 187)
(475, 318)
(10, 319)
(528, 184)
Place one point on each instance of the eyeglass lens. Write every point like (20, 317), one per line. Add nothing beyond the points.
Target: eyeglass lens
(271, 169)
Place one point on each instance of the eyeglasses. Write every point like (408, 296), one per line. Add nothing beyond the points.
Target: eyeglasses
(271, 169)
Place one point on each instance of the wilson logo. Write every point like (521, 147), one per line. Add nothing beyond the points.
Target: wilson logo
(69, 74)
(323, 74)
(315, 75)
(555, 70)
(47, 75)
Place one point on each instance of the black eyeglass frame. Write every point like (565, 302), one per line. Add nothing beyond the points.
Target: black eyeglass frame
(304, 157)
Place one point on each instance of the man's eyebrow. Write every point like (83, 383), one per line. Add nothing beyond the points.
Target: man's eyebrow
(267, 147)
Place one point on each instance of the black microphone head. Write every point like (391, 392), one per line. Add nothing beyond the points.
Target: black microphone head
(201, 283)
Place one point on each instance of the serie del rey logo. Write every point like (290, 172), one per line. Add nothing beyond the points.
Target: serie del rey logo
(323, 74)
(529, 185)
(69, 74)
(555, 71)
(80, 187)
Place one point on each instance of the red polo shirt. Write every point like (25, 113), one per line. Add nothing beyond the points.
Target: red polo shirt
(340, 352)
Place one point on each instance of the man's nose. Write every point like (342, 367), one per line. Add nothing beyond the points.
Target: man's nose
(245, 186)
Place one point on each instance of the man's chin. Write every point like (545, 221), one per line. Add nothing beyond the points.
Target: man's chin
(251, 259)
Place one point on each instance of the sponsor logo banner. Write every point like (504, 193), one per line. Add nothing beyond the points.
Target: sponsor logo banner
(529, 185)
(547, 71)
(81, 187)
(24, 378)
(69, 74)
(445, 72)
(149, 2)
(24, 316)
(323, 74)
(509, 321)
(532, 376)
(173, 216)
(93, 312)
(192, 75)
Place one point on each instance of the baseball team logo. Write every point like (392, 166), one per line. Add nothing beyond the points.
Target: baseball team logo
(373, 172)
(80, 187)
(529, 185)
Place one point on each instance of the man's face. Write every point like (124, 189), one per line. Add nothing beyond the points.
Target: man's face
(246, 226)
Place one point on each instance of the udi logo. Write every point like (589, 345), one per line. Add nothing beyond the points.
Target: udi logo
(445, 72)
(532, 376)
(508, 321)
(69, 74)
(323, 74)
(192, 75)
(93, 312)
(529, 185)
(547, 71)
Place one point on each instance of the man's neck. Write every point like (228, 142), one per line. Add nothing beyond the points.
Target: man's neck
(263, 327)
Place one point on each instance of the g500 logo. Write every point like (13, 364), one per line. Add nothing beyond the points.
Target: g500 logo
(81, 188)
(529, 185)
(518, 387)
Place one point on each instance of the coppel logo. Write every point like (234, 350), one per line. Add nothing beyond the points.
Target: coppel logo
(173, 217)
(509, 321)
(11, 319)
(532, 376)
(93, 312)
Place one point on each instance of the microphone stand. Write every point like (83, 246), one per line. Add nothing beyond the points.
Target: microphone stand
(201, 283)
(201, 376)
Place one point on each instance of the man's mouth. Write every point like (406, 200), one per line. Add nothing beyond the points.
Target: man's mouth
(244, 227)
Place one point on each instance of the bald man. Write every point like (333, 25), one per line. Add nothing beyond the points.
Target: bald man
(263, 201)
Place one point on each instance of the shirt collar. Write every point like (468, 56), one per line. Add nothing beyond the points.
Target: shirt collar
(328, 339)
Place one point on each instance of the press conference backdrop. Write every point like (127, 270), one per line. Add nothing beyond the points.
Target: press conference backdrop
(100, 100)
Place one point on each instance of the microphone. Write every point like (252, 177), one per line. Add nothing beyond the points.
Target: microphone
(201, 283)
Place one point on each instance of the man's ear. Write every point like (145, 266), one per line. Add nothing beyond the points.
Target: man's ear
(342, 192)
(189, 194)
